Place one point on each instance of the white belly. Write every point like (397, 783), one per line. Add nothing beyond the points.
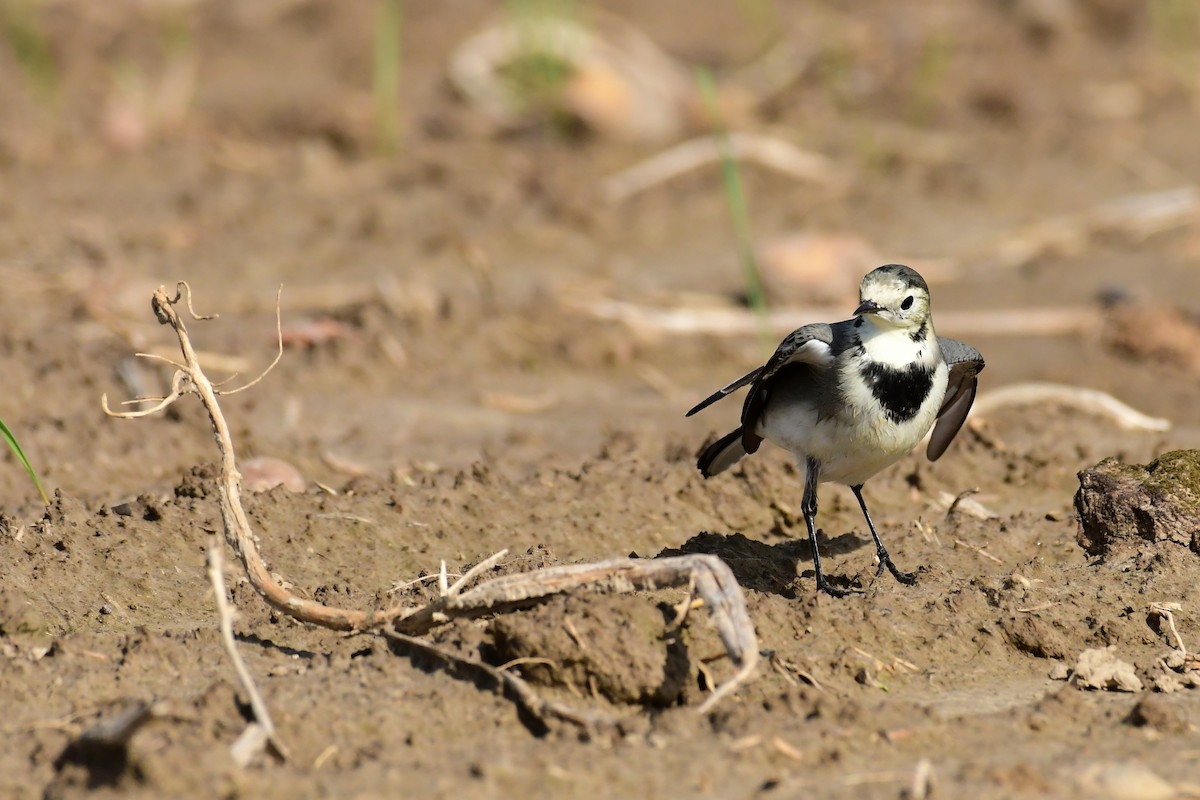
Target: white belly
(854, 443)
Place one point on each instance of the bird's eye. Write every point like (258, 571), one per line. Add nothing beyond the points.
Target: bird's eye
(907, 304)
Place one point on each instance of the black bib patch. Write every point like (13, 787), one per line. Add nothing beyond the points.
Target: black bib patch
(901, 392)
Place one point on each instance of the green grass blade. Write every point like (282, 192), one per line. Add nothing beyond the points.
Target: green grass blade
(16, 448)
(386, 75)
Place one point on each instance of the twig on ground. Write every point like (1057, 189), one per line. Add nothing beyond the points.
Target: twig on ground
(714, 583)
(922, 782)
(729, 321)
(978, 550)
(262, 716)
(712, 579)
(763, 150)
(1165, 610)
(787, 669)
(965, 503)
(1091, 401)
(1134, 217)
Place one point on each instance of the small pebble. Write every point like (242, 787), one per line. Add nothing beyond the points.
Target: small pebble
(263, 473)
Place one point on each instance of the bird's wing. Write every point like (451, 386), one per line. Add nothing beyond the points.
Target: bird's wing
(965, 363)
(812, 345)
(809, 344)
(719, 393)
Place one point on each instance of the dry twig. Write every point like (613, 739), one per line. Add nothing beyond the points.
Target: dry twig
(776, 154)
(978, 550)
(729, 321)
(253, 741)
(1165, 611)
(1091, 401)
(1133, 217)
(711, 578)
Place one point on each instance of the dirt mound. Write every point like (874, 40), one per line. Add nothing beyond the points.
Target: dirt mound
(1122, 506)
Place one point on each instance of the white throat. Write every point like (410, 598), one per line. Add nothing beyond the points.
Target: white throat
(894, 347)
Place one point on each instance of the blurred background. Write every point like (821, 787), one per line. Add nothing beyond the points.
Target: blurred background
(511, 231)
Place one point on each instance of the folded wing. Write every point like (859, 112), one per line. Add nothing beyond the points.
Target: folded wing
(965, 363)
(811, 346)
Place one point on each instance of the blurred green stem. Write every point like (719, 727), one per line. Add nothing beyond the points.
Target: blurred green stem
(386, 81)
(739, 213)
(20, 29)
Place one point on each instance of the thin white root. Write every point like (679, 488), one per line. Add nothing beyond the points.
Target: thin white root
(964, 503)
(180, 385)
(1165, 610)
(1091, 401)
(475, 571)
(250, 743)
(775, 154)
(279, 338)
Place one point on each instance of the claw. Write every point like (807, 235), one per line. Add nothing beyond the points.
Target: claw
(907, 578)
(829, 589)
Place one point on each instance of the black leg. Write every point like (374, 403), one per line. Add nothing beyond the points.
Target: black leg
(885, 560)
(808, 506)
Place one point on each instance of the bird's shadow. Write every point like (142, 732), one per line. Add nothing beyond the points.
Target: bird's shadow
(770, 568)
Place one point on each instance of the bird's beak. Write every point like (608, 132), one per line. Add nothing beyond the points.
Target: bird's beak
(867, 307)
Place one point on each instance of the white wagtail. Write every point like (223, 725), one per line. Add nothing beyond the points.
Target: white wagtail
(851, 398)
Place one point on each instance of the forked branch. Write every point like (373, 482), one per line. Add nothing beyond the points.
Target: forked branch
(711, 578)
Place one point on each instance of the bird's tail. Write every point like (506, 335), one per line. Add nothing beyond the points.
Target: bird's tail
(721, 454)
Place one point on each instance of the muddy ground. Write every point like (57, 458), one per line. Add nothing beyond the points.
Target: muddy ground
(448, 392)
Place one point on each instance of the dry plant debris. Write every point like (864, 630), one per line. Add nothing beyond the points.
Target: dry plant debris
(1099, 668)
(606, 73)
(1089, 401)
(776, 154)
(1133, 217)
(721, 319)
(706, 576)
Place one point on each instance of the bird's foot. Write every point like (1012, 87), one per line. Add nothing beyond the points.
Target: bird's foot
(907, 578)
(835, 591)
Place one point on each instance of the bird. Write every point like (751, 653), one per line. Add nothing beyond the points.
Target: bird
(849, 399)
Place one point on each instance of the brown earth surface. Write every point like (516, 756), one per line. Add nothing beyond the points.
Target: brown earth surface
(447, 391)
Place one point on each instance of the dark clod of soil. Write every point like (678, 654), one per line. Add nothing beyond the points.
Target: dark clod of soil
(617, 646)
(1122, 506)
(1152, 711)
(1035, 636)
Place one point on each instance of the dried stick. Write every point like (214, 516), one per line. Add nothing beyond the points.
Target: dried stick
(713, 580)
(1134, 216)
(216, 576)
(1164, 610)
(768, 152)
(1091, 401)
(741, 321)
(191, 377)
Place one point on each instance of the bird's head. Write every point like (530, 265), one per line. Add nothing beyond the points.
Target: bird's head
(895, 296)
